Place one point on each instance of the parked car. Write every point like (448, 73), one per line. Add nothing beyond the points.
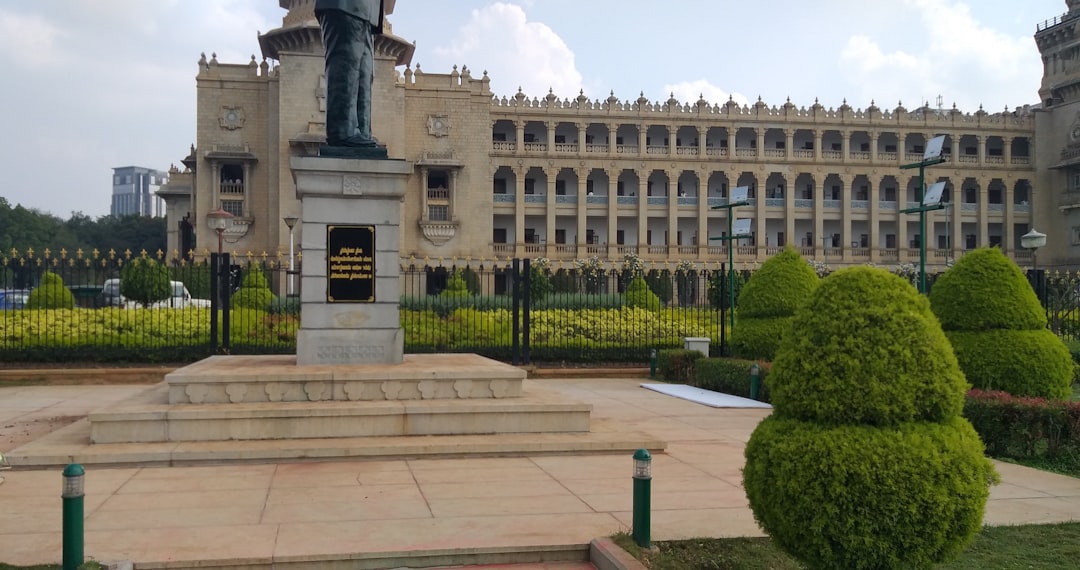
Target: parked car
(181, 297)
(13, 298)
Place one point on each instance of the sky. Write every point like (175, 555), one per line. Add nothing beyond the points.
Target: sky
(92, 85)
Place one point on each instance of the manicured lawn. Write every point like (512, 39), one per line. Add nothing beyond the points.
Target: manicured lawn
(1027, 547)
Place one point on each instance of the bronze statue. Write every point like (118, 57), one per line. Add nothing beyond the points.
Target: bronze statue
(348, 30)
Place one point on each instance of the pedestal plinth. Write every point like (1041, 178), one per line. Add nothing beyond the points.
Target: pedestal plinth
(351, 275)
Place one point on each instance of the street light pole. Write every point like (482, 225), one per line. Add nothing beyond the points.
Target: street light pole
(290, 221)
(737, 197)
(931, 156)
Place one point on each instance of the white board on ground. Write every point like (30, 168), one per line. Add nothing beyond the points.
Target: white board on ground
(706, 397)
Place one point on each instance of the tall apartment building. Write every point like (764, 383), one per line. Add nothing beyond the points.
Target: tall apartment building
(572, 177)
(135, 192)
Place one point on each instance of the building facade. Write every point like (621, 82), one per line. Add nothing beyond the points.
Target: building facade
(134, 192)
(572, 178)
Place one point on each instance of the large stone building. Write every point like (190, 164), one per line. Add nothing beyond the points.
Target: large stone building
(571, 178)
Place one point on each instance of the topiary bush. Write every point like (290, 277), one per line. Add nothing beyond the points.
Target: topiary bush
(998, 328)
(866, 461)
(638, 294)
(456, 286)
(767, 302)
(50, 294)
(254, 291)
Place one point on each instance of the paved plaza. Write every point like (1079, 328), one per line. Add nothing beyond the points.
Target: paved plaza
(398, 509)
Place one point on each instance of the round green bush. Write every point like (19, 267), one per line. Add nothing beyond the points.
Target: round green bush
(1030, 363)
(868, 351)
(254, 291)
(868, 497)
(145, 281)
(638, 294)
(782, 285)
(984, 291)
(758, 339)
(866, 461)
(50, 294)
(456, 286)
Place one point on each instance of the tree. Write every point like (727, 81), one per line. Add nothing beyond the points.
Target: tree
(145, 281)
(866, 461)
(718, 288)
(998, 328)
(768, 301)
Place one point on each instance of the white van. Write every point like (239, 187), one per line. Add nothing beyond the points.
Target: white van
(180, 298)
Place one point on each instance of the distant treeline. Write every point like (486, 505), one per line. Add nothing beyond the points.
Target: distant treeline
(22, 228)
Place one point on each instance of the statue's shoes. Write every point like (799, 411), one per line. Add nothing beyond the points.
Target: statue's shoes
(356, 141)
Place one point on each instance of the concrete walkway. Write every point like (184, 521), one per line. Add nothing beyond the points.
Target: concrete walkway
(294, 512)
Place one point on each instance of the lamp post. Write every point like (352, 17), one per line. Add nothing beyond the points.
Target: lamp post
(290, 221)
(1033, 240)
(931, 156)
(642, 513)
(218, 220)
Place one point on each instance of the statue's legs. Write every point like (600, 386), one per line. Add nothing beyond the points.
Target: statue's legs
(349, 73)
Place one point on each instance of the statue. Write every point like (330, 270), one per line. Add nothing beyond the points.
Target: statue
(348, 31)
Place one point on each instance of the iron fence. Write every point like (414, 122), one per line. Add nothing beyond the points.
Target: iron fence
(69, 306)
(518, 311)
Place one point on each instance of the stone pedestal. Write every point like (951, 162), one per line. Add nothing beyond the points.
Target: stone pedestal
(345, 194)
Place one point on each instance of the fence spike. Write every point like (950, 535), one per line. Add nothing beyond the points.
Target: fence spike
(30, 253)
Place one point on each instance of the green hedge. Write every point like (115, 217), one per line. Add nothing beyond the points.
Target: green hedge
(1030, 363)
(729, 376)
(783, 284)
(639, 295)
(1025, 428)
(677, 365)
(758, 339)
(859, 496)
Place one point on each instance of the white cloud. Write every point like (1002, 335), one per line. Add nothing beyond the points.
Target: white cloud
(29, 41)
(515, 52)
(691, 91)
(963, 60)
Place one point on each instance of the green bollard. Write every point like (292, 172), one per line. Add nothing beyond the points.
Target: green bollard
(73, 497)
(642, 499)
(755, 381)
(652, 363)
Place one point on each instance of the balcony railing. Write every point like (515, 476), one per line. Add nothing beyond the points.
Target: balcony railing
(504, 146)
(627, 200)
(566, 199)
(860, 155)
(566, 147)
(804, 203)
(658, 200)
(775, 153)
(687, 150)
(831, 204)
(596, 148)
(503, 198)
(887, 205)
(774, 202)
(887, 156)
(832, 155)
(688, 200)
(1022, 208)
(596, 199)
(656, 150)
(1021, 160)
(803, 153)
(716, 151)
(995, 208)
(745, 153)
(626, 149)
(535, 199)
(438, 193)
(967, 159)
(535, 147)
(860, 204)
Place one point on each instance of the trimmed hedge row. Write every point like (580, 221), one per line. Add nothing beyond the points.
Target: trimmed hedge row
(1024, 428)
(677, 365)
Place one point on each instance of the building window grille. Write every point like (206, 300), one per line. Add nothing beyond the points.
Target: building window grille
(234, 207)
(438, 213)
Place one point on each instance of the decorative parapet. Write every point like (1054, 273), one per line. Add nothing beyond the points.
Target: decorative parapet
(438, 233)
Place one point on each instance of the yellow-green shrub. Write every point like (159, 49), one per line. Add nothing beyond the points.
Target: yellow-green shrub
(50, 294)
